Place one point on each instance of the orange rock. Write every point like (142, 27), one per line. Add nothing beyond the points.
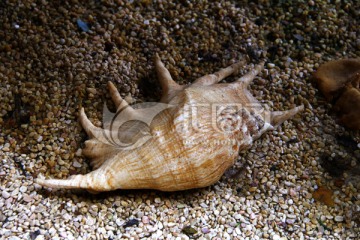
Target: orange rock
(339, 82)
(334, 75)
(348, 108)
(324, 195)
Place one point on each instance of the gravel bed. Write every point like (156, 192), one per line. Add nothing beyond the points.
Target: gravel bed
(298, 182)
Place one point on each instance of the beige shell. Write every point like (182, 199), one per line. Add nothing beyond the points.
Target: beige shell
(187, 141)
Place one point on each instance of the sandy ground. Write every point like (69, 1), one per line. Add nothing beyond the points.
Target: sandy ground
(297, 182)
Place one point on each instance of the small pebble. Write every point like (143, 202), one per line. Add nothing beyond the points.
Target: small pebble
(339, 218)
(205, 230)
(76, 164)
(5, 194)
(23, 189)
(145, 220)
(270, 65)
(39, 139)
(57, 65)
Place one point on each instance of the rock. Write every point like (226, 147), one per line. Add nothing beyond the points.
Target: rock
(145, 220)
(23, 189)
(339, 218)
(339, 82)
(5, 194)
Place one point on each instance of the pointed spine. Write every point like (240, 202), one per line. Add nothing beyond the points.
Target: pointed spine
(245, 80)
(219, 75)
(278, 117)
(168, 85)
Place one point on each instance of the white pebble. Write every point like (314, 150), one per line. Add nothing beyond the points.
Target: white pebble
(76, 164)
(276, 237)
(145, 220)
(78, 152)
(27, 198)
(90, 221)
(270, 65)
(14, 238)
(119, 222)
(23, 189)
(40, 138)
(283, 191)
(52, 231)
(290, 221)
(205, 230)
(339, 218)
(5, 194)
(284, 206)
(63, 234)
(171, 224)
(203, 205)
(293, 216)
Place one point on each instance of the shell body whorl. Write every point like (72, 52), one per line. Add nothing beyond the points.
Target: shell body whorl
(189, 143)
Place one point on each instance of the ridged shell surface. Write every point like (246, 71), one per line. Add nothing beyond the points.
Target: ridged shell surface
(188, 141)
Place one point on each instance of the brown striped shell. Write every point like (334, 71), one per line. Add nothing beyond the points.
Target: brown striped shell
(186, 141)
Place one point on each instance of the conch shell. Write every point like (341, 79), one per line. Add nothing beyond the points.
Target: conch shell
(186, 141)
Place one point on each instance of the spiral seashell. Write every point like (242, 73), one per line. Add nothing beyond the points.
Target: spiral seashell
(186, 141)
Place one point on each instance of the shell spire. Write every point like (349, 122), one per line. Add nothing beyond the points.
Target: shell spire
(186, 141)
(169, 87)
